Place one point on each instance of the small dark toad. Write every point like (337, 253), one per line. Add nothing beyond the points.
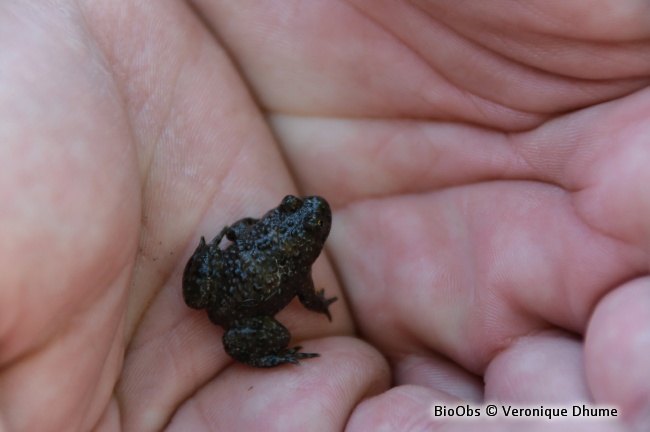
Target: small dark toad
(268, 263)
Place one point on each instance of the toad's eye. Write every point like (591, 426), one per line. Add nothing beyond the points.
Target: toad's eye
(290, 204)
(313, 223)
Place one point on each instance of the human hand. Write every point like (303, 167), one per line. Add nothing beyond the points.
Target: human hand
(486, 166)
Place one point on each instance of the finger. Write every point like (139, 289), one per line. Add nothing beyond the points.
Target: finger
(387, 157)
(466, 271)
(316, 396)
(328, 56)
(435, 372)
(617, 349)
(544, 368)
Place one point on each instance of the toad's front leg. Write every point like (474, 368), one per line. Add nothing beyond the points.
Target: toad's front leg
(314, 300)
(261, 342)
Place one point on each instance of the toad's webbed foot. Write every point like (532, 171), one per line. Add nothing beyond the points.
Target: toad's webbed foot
(288, 355)
(316, 301)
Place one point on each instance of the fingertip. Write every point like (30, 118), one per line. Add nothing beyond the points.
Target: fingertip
(617, 350)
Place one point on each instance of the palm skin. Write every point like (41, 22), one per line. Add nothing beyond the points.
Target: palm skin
(487, 167)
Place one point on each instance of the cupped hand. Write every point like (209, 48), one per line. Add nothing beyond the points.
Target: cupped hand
(487, 167)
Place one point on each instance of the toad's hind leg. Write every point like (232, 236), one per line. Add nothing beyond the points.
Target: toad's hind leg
(261, 342)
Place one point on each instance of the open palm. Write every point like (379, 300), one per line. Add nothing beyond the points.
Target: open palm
(487, 167)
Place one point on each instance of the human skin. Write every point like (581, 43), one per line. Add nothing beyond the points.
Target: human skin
(486, 162)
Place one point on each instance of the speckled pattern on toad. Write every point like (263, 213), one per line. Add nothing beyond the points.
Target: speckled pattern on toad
(268, 263)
